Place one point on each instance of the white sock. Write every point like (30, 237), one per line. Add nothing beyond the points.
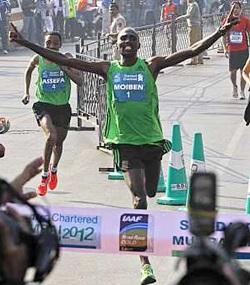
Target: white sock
(53, 169)
(45, 174)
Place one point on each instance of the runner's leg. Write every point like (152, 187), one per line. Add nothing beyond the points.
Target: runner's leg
(233, 77)
(242, 83)
(58, 147)
(131, 162)
(152, 174)
(51, 138)
(135, 179)
(57, 153)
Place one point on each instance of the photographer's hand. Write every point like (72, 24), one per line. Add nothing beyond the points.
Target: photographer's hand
(30, 170)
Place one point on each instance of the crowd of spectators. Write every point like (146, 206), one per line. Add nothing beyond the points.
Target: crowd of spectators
(86, 18)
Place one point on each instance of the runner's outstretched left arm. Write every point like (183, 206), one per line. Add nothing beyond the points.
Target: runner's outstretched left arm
(159, 62)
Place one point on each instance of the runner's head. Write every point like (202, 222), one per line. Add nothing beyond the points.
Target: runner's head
(53, 40)
(128, 42)
(237, 8)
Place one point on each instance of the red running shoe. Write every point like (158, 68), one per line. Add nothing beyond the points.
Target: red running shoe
(53, 180)
(42, 187)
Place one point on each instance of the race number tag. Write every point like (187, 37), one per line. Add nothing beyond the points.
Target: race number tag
(53, 81)
(129, 87)
(236, 37)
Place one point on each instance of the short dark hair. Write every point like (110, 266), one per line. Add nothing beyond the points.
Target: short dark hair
(54, 33)
(113, 4)
(128, 30)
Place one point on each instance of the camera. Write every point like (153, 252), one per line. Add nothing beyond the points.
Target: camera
(42, 247)
(208, 263)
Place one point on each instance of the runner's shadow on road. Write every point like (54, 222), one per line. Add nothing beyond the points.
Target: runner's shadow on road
(22, 132)
(232, 208)
(58, 192)
(231, 197)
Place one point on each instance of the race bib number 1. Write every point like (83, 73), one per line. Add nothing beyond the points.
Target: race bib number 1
(129, 87)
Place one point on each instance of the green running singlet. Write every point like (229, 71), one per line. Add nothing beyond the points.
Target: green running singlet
(53, 84)
(132, 105)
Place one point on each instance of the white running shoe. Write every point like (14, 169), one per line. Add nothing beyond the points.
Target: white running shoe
(5, 51)
(242, 95)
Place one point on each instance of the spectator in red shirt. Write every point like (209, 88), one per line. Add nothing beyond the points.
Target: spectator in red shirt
(236, 48)
(168, 11)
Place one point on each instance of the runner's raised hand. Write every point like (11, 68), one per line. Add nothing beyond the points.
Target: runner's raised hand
(14, 35)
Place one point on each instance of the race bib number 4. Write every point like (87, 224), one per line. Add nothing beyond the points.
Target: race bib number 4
(236, 37)
(129, 87)
(53, 81)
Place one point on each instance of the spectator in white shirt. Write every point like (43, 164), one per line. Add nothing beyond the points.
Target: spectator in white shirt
(118, 23)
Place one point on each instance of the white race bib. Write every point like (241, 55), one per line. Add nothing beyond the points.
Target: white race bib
(236, 37)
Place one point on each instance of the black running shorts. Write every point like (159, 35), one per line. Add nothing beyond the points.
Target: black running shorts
(237, 59)
(59, 114)
(136, 156)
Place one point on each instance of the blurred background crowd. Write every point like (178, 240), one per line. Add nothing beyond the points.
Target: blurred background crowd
(87, 18)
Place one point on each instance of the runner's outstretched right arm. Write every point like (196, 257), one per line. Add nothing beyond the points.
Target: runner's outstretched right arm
(100, 68)
(27, 79)
(159, 62)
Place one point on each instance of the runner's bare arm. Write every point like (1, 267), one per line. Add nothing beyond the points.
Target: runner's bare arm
(159, 62)
(27, 79)
(100, 68)
(30, 170)
(246, 71)
(74, 74)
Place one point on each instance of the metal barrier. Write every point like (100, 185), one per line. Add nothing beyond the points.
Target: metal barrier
(159, 39)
